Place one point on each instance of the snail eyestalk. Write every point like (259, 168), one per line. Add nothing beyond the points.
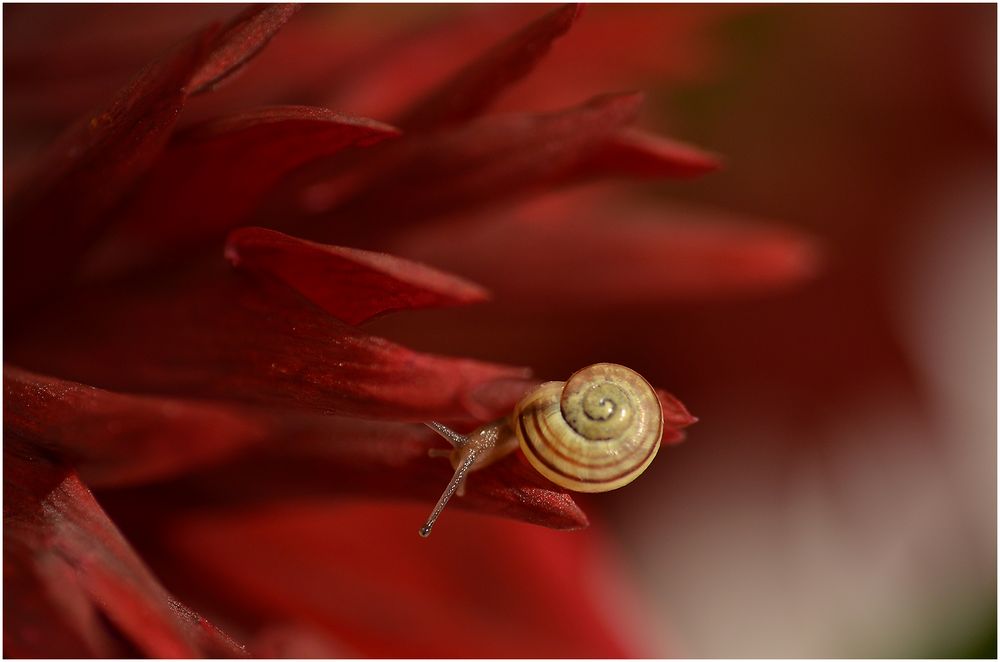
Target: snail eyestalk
(453, 485)
(454, 438)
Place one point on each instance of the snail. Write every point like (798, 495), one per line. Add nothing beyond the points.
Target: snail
(595, 432)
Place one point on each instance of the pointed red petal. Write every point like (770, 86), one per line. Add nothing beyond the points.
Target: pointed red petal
(383, 81)
(73, 585)
(675, 414)
(88, 170)
(637, 154)
(310, 58)
(232, 336)
(214, 175)
(512, 488)
(623, 46)
(61, 61)
(475, 164)
(596, 251)
(241, 39)
(474, 87)
(118, 439)
(675, 418)
(351, 284)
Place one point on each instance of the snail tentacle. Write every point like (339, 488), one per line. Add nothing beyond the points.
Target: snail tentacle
(456, 439)
(456, 481)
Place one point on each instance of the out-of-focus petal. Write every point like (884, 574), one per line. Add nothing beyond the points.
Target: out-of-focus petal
(72, 584)
(235, 336)
(62, 60)
(239, 41)
(499, 589)
(60, 63)
(296, 641)
(64, 209)
(675, 417)
(422, 55)
(350, 284)
(623, 46)
(213, 175)
(332, 458)
(119, 439)
(639, 154)
(66, 205)
(309, 59)
(474, 87)
(595, 253)
(473, 164)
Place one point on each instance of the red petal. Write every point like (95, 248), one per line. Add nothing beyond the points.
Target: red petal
(593, 252)
(118, 439)
(230, 336)
(513, 489)
(624, 46)
(473, 88)
(675, 418)
(239, 41)
(99, 47)
(477, 163)
(414, 56)
(214, 175)
(73, 585)
(351, 284)
(309, 58)
(638, 154)
(88, 170)
(498, 589)
(96, 162)
(675, 414)
(315, 457)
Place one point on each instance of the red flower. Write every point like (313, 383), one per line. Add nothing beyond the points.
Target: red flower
(183, 333)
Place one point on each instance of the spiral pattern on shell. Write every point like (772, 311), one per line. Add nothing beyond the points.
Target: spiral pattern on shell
(595, 432)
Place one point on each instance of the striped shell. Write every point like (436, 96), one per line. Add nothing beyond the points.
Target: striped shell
(595, 432)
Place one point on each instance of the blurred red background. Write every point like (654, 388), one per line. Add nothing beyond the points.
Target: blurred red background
(837, 497)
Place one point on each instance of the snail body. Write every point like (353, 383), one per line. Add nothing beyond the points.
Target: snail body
(595, 432)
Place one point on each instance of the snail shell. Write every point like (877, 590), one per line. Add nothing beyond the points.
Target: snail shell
(595, 432)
